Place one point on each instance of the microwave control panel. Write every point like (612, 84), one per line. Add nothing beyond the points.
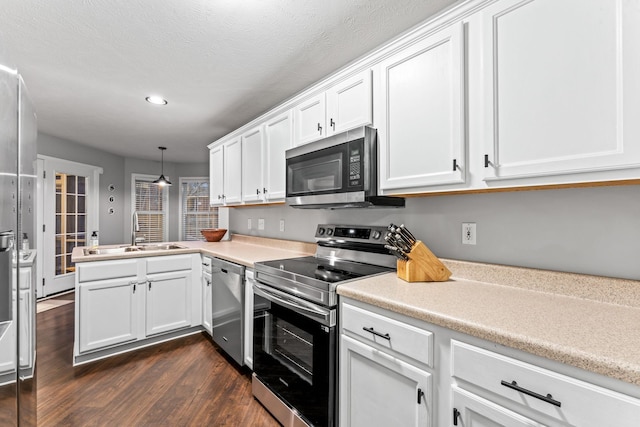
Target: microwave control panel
(355, 163)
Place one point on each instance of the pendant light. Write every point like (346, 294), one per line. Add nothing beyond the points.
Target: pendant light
(162, 181)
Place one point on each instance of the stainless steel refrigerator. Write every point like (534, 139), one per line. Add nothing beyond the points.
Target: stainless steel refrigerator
(18, 135)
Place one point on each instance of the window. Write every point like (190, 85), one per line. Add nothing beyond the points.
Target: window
(194, 208)
(152, 204)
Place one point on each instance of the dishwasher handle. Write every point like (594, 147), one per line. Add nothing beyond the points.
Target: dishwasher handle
(323, 315)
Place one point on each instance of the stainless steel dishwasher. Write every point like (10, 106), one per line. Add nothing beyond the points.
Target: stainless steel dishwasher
(227, 293)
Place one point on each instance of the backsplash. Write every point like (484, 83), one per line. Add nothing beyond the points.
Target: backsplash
(580, 230)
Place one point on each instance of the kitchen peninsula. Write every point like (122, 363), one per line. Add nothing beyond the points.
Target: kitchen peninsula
(128, 299)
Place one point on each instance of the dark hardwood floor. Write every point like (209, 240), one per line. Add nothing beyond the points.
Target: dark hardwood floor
(180, 383)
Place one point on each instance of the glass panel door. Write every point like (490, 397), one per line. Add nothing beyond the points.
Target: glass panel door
(69, 213)
(71, 220)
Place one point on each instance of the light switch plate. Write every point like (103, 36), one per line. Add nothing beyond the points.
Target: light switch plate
(249, 224)
(260, 223)
(282, 225)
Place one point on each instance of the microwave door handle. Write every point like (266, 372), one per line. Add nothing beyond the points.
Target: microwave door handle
(299, 306)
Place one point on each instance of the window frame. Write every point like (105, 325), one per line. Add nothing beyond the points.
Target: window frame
(135, 177)
(181, 211)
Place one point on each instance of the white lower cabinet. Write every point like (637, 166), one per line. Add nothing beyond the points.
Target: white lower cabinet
(543, 396)
(124, 302)
(109, 311)
(400, 371)
(381, 381)
(207, 302)
(168, 301)
(471, 410)
(380, 390)
(248, 317)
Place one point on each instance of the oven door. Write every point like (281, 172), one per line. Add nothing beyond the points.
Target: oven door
(294, 345)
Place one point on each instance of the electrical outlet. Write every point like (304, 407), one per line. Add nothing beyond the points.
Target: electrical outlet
(282, 225)
(249, 224)
(468, 233)
(260, 223)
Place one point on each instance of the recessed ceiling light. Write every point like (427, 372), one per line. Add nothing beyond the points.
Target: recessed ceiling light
(157, 100)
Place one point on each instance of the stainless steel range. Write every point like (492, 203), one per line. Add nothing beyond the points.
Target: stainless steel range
(295, 317)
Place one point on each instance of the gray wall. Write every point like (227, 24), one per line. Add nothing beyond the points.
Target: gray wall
(583, 230)
(110, 226)
(116, 228)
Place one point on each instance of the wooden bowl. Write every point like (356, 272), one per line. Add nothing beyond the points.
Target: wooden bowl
(213, 234)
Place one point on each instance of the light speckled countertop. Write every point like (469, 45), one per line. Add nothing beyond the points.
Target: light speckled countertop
(598, 330)
(245, 250)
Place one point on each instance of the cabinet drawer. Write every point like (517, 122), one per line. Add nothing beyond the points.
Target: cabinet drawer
(103, 270)
(391, 334)
(163, 264)
(576, 402)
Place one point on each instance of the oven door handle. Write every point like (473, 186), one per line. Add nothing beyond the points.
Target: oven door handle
(325, 316)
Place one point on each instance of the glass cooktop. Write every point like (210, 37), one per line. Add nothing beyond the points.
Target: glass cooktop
(324, 269)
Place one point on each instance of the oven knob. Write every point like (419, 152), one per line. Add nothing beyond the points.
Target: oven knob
(329, 231)
(376, 235)
(320, 231)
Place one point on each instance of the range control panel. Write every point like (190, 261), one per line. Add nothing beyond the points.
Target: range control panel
(352, 233)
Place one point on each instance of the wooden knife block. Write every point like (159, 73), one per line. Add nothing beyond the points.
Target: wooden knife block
(423, 266)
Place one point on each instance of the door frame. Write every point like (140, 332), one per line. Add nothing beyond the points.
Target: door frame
(47, 168)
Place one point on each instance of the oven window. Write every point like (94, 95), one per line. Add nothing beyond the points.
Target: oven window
(293, 347)
(316, 175)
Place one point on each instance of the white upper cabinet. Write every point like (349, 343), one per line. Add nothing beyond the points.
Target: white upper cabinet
(233, 171)
(561, 88)
(345, 105)
(225, 178)
(420, 114)
(277, 139)
(310, 120)
(216, 175)
(350, 103)
(225, 173)
(252, 165)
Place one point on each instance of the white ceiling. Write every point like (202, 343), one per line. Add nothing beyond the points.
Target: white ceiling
(89, 64)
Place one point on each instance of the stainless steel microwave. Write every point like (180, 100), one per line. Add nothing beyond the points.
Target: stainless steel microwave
(340, 171)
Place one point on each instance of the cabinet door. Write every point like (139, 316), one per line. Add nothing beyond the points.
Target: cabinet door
(108, 313)
(377, 389)
(233, 171)
(350, 104)
(278, 138)
(421, 127)
(248, 318)
(168, 301)
(560, 87)
(26, 328)
(216, 175)
(206, 303)
(252, 165)
(309, 120)
(473, 411)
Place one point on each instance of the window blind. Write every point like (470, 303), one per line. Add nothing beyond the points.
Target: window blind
(196, 212)
(152, 207)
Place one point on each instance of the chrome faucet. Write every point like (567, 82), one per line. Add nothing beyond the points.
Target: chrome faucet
(135, 227)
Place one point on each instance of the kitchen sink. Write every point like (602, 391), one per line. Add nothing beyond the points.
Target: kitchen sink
(159, 247)
(124, 249)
